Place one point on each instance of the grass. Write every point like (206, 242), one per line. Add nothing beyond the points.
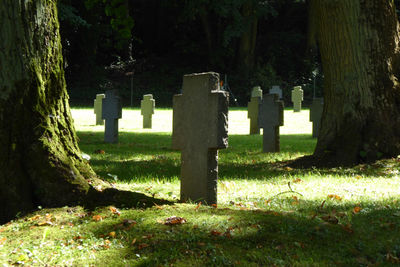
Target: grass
(267, 214)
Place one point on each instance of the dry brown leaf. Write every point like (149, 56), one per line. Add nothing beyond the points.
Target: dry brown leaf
(45, 223)
(133, 241)
(215, 233)
(97, 218)
(3, 240)
(356, 209)
(114, 211)
(112, 234)
(198, 206)
(142, 245)
(174, 220)
(298, 180)
(99, 151)
(34, 218)
(336, 197)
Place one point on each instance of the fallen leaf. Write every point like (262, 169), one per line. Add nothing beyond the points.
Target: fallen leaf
(214, 206)
(173, 220)
(99, 151)
(336, 197)
(97, 218)
(133, 241)
(44, 223)
(142, 245)
(198, 206)
(298, 180)
(34, 218)
(356, 209)
(215, 233)
(114, 211)
(3, 240)
(288, 169)
(112, 234)
(322, 204)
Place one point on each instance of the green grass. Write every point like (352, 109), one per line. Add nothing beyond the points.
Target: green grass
(267, 214)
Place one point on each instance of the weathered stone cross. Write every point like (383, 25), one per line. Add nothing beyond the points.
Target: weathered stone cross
(252, 109)
(112, 111)
(297, 97)
(98, 102)
(200, 128)
(270, 118)
(147, 106)
(316, 109)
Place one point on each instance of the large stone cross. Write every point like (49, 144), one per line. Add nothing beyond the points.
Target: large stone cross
(147, 106)
(316, 109)
(270, 118)
(297, 97)
(112, 111)
(200, 128)
(252, 109)
(98, 102)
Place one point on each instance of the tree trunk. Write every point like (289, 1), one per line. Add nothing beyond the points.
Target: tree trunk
(248, 39)
(40, 161)
(358, 41)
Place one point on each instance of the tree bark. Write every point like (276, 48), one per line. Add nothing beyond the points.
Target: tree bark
(359, 45)
(40, 161)
(248, 39)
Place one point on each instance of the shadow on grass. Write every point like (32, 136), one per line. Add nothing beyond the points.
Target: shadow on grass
(148, 156)
(262, 238)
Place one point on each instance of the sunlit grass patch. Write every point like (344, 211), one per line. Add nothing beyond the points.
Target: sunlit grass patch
(267, 214)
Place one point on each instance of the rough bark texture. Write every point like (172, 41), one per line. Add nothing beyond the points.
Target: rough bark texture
(40, 161)
(359, 45)
(247, 43)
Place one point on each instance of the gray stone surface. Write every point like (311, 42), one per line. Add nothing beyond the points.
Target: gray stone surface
(316, 109)
(297, 98)
(256, 92)
(98, 103)
(276, 90)
(270, 119)
(112, 111)
(147, 106)
(253, 108)
(200, 128)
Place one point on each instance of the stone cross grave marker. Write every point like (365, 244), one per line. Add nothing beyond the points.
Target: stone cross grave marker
(276, 90)
(252, 109)
(112, 111)
(147, 106)
(98, 102)
(200, 128)
(297, 97)
(316, 109)
(270, 118)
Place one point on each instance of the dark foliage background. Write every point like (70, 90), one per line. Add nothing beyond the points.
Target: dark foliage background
(159, 41)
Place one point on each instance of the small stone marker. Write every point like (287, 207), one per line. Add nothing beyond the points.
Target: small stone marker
(147, 106)
(297, 97)
(200, 128)
(98, 102)
(112, 111)
(316, 109)
(276, 90)
(253, 108)
(270, 118)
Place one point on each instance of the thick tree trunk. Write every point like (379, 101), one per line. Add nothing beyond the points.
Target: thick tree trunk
(40, 161)
(248, 39)
(359, 45)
